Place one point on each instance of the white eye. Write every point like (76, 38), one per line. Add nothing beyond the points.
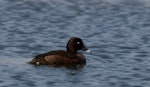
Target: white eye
(78, 42)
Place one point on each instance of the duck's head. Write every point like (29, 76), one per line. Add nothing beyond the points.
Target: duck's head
(75, 44)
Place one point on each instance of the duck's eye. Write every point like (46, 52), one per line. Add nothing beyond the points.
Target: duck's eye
(78, 42)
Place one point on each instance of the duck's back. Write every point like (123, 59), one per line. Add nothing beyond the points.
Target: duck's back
(58, 58)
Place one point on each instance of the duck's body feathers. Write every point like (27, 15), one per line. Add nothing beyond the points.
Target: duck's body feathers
(59, 58)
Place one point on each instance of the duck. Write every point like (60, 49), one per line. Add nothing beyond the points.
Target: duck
(68, 57)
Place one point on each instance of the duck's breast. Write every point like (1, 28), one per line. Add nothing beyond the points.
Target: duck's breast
(81, 58)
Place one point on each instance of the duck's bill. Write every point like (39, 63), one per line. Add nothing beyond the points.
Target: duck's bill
(87, 50)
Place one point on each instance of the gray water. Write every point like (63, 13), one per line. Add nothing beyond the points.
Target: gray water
(117, 31)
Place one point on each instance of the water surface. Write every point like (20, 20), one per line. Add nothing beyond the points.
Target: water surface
(118, 33)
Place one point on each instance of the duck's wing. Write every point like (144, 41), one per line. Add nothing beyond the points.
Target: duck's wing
(48, 58)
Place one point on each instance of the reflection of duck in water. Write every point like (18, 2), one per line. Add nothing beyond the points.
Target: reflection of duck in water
(63, 58)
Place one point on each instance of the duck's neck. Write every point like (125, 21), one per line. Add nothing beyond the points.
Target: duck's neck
(71, 51)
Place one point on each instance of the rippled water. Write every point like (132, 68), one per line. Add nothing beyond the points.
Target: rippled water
(118, 32)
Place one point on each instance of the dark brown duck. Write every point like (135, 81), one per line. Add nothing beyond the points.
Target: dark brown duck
(70, 57)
